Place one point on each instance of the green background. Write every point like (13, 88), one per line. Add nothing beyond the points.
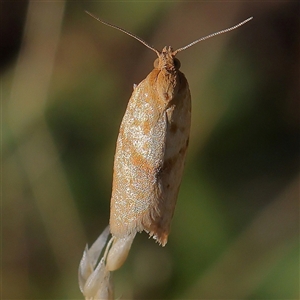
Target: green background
(65, 83)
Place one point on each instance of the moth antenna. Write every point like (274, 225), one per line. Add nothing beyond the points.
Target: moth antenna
(211, 35)
(125, 31)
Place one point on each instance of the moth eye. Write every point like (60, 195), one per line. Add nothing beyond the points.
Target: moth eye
(177, 63)
(156, 63)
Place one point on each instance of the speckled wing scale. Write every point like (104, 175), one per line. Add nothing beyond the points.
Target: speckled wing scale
(150, 152)
(148, 166)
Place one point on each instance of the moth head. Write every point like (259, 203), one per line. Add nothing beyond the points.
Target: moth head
(167, 60)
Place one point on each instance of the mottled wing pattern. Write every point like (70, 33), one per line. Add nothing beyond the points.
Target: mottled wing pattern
(178, 117)
(138, 159)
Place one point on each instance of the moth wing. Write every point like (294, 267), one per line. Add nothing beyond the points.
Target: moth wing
(139, 158)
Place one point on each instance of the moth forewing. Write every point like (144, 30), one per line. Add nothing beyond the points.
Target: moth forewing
(136, 160)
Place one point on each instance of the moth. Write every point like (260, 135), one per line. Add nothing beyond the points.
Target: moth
(151, 147)
(150, 152)
(148, 166)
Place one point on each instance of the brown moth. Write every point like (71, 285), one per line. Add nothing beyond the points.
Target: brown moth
(148, 166)
(151, 147)
(151, 150)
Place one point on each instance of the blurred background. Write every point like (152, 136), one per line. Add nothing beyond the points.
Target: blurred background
(65, 82)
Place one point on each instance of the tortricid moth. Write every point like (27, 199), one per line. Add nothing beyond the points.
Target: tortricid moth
(150, 152)
(148, 166)
(151, 147)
